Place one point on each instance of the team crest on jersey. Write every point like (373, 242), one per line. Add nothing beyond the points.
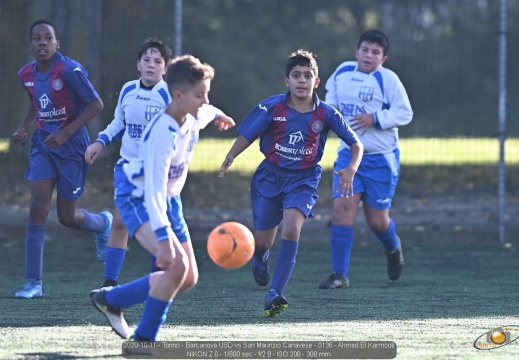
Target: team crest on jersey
(151, 111)
(317, 126)
(57, 84)
(366, 93)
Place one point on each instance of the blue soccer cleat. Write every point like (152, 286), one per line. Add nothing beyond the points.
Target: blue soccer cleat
(102, 237)
(260, 270)
(30, 291)
(275, 303)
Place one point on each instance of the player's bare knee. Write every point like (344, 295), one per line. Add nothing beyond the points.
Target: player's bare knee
(291, 232)
(190, 281)
(377, 225)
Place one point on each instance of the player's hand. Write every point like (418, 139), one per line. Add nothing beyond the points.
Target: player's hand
(225, 165)
(362, 122)
(165, 254)
(224, 122)
(92, 152)
(20, 136)
(56, 139)
(345, 187)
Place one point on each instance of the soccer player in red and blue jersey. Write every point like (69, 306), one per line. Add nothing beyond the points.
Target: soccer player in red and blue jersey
(293, 129)
(63, 101)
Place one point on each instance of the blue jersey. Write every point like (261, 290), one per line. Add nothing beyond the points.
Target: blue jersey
(60, 95)
(290, 139)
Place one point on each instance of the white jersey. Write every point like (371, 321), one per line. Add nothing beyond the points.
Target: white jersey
(136, 107)
(380, 93)
(160, 170)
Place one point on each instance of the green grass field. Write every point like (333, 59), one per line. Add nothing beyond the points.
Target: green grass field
(210, 153)
(448, 296)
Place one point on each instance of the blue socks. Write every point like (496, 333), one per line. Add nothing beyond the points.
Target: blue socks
(155, 313)
(34, 243)
(341, 241)
(135, 292)
(114, 262)
(92, 222)
(389, 238)
(285, 262)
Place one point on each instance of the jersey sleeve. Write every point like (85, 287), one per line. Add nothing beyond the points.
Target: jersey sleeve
(158, 149)
(207, 113)
(331, 88)
(399, 113)
(256, 122)
(115, 130)
(76, 77)
(340, 127)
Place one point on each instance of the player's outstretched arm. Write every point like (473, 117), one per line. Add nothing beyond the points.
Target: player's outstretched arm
(237, 148)
(345, 187)
(224, 122)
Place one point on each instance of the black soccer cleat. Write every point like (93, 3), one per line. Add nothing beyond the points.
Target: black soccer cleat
(335, 281)
(395, 263)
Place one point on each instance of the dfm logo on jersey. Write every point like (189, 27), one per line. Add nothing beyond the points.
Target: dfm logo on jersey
(151, 111)
(135, 131)
(176, 171)
(350, 110)
(497, 337)
(44, 101)
(366, 93)
(294, 138)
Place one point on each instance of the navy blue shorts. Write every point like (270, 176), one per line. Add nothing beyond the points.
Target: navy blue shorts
(133, 210)
(376, 177)
(274, 189)
(66, 164)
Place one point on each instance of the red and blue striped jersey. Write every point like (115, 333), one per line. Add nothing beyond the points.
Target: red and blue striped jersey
(60, 95)
(290, 139)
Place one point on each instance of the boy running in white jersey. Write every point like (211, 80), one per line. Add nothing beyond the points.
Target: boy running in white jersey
(374, 102)
(152, 179)
(139, 101)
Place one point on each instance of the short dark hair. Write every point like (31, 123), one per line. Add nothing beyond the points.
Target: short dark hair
(155, 43)
(185, 71)
(375, 37)
(43, 21)
(302, 58)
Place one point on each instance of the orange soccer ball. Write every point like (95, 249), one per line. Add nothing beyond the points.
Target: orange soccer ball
(230, 245)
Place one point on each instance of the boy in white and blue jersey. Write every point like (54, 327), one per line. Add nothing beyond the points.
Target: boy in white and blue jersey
(139, 102)
(63, 101)
(151, 180)
(374, 102)
(293, 129)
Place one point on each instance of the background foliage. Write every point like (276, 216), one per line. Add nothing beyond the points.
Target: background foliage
(445, 51)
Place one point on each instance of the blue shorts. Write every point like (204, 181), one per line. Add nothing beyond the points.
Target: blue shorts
(376, 177)
(66, 164)
(133, 211)
(274, 189)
